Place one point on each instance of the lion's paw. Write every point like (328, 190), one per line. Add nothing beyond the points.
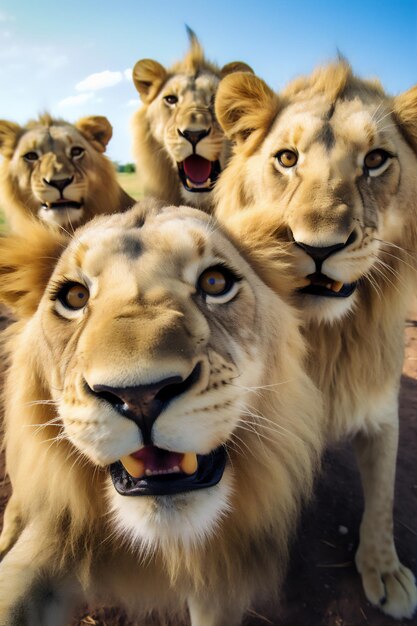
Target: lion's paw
(393, 592)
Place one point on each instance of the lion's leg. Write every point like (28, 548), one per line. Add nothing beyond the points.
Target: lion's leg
(387, 583)
(26, 597)
(12, 525)
(214, 611)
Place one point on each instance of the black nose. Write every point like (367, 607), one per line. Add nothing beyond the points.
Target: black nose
(143, 403)
(59, 183)
(321, 253)
(194, 136)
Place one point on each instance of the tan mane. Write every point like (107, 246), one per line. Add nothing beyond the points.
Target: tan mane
(334, 81)
(194, 60)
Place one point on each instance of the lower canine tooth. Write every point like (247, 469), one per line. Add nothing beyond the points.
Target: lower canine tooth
(337, 286)
(188, 463)
(134, 467)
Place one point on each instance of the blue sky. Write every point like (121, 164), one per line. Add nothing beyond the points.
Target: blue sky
(48, 51)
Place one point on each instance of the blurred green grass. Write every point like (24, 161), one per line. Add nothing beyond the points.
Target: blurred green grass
(129, 183)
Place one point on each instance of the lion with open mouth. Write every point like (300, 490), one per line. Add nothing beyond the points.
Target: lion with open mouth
(161, 432)
(179, 146)
(332, 162)
(56, 172)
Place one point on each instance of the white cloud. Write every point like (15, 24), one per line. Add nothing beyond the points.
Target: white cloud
(44, 59)
(72, 101)
(99, 80)
(133, 103)
(5, 17)
(128, 74)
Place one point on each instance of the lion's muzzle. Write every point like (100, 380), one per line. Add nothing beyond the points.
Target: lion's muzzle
(144, 403)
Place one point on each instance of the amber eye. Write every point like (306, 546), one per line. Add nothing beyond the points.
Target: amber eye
(217, 281)
(287, 158)
(31, 156)
(171, 99)
(76, 151)
(376, 158)
(74, 296)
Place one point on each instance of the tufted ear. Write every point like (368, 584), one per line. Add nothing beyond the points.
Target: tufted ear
(405, 109)
(27, 261)
(235, 66)
(245, 105)
(97, 130)
(9, 136)
(148, 78)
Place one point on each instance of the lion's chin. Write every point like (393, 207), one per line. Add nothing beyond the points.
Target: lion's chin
(320, 309)
(62, 214)
(167, 521)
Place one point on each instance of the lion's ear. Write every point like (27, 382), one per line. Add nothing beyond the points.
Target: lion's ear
(148, 77)
(97, 130)
(405, 110)
(245, 105)
(9, 136)
(26, 263)
(235, 66)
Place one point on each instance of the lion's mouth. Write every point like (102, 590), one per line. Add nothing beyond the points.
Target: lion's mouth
(152, 471)
(62, 205)
(198, 174)
(322, 285)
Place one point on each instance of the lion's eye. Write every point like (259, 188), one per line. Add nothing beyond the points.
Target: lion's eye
(76, 152)
(171, 99)
(287, 158)
(74, 296)
(218, 284)
(31, 156)
(376, 159)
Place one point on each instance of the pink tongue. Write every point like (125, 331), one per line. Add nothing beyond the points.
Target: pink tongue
(157, 459)
(197, 168)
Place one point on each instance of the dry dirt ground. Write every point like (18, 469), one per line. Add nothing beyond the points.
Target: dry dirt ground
(323, 588)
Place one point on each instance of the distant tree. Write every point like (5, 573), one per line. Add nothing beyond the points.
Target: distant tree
(125, 168)
(129, 168)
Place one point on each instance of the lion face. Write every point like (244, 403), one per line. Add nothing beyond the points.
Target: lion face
(150, 362)
(334, 166)
(178, 111)
(49, 166)
(183, 121)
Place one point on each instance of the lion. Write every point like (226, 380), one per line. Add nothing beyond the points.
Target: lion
(179, 146)
(332, 162)
(161, 432)
(57, 172)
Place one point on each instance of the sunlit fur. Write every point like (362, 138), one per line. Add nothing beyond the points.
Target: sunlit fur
(157, 144)
(80, 539)
(332, 119)
(24, 187)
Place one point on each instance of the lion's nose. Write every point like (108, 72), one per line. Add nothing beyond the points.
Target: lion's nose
(144, 403)
(321, 253)
(194, 136)
(59, 183)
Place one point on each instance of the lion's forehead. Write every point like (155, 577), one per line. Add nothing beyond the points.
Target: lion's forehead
(54, 139)
(354, 123)
(202, 86)
(160, 251)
